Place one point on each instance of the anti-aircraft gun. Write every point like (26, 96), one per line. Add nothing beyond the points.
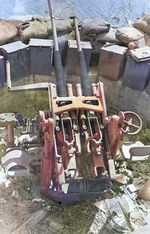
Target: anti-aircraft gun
(80, 141)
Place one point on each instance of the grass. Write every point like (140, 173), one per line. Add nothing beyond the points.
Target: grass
(2, 151)
(22, 182)
(143, 136)
(77, 218)
(28, 103)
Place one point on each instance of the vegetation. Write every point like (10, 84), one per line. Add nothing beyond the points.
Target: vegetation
(28, 103)
(2, 150)
(22, 182)
(143, 136)
(76, 218)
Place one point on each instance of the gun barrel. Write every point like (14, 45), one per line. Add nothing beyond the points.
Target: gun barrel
(60, 79)
(85, 83)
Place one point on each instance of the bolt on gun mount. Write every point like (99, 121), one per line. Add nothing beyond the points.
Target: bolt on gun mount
(74, 165)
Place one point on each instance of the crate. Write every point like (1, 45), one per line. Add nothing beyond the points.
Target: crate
(137, 71)
(18, 55)
(2, 71)
(112, 61)
(41, 54)
(72, 67)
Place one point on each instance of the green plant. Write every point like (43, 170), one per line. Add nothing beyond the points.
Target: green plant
(22, 182)
(76, 218)
(2, 150)
(28, 103)
(143, 136)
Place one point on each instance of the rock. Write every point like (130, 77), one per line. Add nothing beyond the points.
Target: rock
(144, 192)
(133, 45)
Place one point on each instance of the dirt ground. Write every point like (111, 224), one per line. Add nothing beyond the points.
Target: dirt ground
(23, 209)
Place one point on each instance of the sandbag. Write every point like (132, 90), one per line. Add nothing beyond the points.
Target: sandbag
(17, 23)
(109, 36)
(96, 47)
(88, 37)
(143, 24)
(34, 28)
(41, 28)
(94, 25)
(128, 34)
(64, 25)
(146, 37)
(8, 32)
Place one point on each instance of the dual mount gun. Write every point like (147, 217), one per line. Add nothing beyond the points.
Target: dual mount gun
(80, 141)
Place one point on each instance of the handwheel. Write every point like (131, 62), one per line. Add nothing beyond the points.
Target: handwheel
(132, 123)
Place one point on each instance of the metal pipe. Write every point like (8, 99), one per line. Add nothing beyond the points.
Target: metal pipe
(10, 141)
(59, 72)
(70, 91)
(51, 10)
(77, 35)
(85, 83)
(94, 89)
(79, 90)
(8, 75)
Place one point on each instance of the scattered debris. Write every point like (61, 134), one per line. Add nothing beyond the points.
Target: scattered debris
(144, 229)
(3, 178)
(120, 214)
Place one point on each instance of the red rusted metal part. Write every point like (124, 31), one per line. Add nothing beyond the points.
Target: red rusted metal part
(114, 133)
(90, 138)
(76, 148)
(73, 147)
(47, 154)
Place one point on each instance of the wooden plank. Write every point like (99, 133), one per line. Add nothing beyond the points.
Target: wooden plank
(32, 221)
